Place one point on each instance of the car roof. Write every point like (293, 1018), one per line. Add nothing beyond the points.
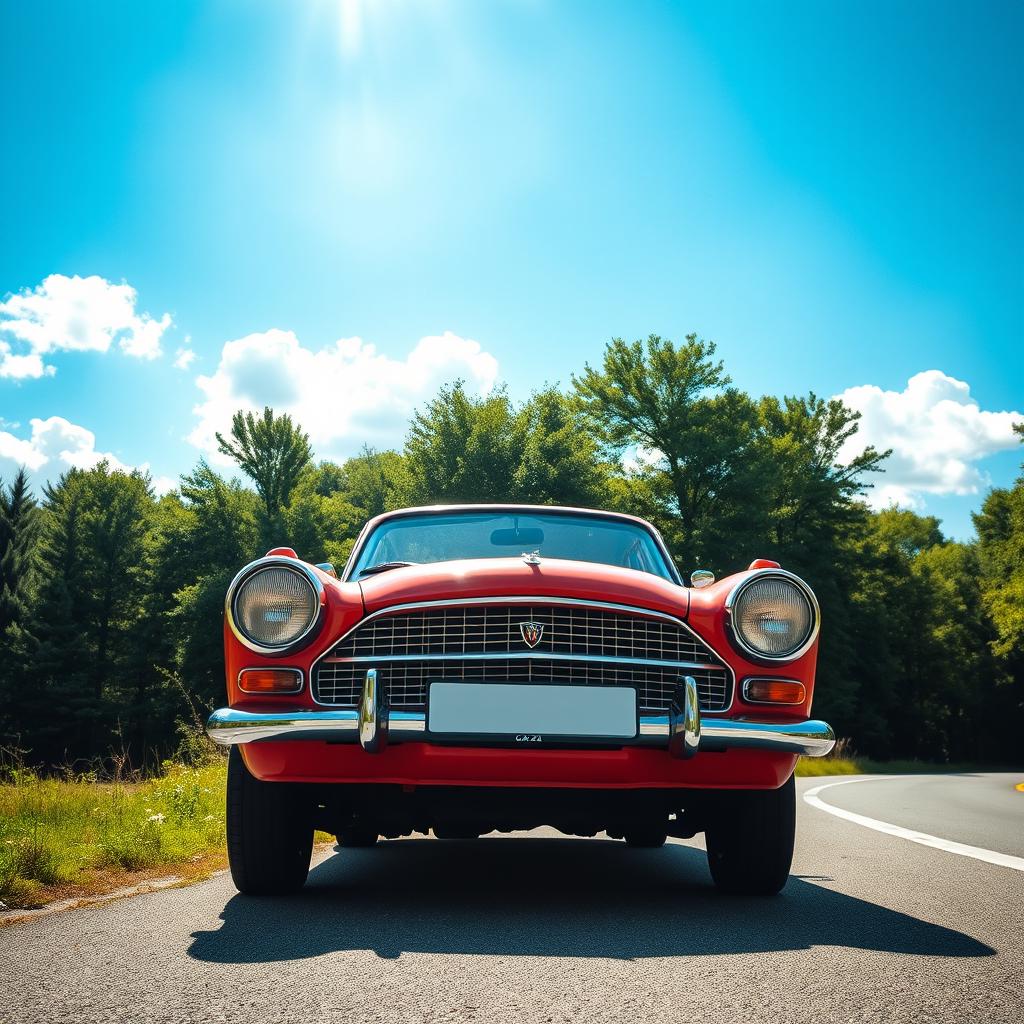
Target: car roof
(502, 507)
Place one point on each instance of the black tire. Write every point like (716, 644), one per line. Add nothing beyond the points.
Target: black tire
(270, 833)
(647, 838)
(750, 840)
(357, 836)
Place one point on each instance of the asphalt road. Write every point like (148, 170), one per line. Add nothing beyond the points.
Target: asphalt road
(871, 927)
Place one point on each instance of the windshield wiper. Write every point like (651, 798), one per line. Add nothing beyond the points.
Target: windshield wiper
(372, 570)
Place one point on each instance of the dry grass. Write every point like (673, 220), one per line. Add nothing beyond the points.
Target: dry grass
(809, 767)
(842, 761)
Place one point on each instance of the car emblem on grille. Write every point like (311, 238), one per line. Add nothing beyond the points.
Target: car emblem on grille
(532, 632)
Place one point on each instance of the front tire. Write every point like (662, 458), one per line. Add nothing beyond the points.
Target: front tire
(270, 833)
(750, 840)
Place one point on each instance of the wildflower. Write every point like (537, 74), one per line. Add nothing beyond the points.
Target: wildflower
(157, 818)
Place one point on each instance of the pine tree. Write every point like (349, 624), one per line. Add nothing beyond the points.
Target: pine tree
(19, 530)
(19, 527)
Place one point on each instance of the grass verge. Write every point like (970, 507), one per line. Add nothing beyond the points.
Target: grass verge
(847, 763)
(68, 837)
(810, 767)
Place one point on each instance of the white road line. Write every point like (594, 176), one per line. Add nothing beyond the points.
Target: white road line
(989, 856)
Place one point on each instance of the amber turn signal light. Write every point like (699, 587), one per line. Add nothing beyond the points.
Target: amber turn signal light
(270, 680)
(774, 691)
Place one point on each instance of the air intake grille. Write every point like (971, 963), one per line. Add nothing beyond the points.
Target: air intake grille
(412, 649)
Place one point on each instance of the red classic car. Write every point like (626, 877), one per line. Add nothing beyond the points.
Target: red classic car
(499, 667)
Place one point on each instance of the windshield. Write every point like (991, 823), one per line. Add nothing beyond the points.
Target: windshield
(446, 536)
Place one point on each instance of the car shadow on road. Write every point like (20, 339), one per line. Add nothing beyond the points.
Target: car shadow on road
(550, 897)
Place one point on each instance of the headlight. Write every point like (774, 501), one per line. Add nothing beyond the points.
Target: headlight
(774, 616)
(271, 605)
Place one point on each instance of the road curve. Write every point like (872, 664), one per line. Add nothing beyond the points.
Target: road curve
(982, 810)
(870, 928)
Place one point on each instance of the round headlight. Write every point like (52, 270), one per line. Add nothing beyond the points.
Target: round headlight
(774, 616)
(274, 607)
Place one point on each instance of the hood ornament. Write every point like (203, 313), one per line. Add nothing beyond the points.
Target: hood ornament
(532, 557)
(532, 632)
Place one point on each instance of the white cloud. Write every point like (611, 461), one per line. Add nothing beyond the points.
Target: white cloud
(937, 433)
(162, 484)
(344, 395)
(81, 314)
(183, 358)
(56, 445)
(640, 458)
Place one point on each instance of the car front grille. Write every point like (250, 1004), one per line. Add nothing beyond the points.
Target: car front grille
(578, 645)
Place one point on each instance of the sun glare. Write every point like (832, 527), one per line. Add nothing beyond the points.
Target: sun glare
(350, 26)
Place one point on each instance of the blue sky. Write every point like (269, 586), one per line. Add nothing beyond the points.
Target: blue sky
(833, 195)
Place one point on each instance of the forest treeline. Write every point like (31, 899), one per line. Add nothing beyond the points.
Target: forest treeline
(111, 598)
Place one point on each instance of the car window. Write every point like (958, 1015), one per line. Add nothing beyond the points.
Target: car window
(442, 537)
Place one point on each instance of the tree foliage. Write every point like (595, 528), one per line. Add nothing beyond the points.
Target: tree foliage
(111, 601)
(272, 452)
(463, 448)
(19, 526)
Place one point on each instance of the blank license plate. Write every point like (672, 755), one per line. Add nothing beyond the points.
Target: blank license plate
(510, 709)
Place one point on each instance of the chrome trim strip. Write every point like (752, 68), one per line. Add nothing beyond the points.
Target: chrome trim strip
(270, 668)
(521, 656)
(292, 565)
(684, 720)
(229, 726)
(581, 602)
(745, 648)
(649, 613)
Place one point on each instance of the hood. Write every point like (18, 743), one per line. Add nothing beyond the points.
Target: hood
(508, 577)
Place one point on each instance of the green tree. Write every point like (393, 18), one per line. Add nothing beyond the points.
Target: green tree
(560, 460)
(812, 494)
(888, 649)
(1000, 526)
(19, 526)
(321, 526)
(201, 551)
(374, 482)
(272, 452)
(464, 449)
(96, 575)
(693, 436)
(964, 712)
(19, 529)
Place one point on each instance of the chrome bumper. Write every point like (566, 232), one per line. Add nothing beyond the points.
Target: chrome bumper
(683, 730)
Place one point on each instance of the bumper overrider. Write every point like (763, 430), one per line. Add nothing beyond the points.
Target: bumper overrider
(373, 725)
